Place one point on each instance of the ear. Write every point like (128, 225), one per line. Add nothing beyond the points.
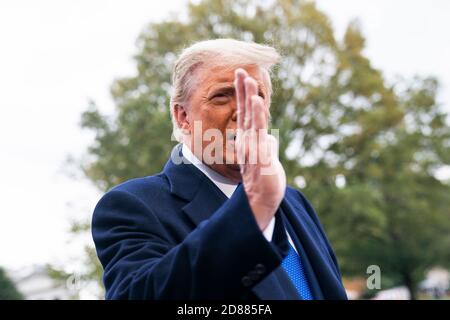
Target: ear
(182, 118)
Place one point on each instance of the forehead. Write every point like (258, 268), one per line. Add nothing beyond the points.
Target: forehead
(216, 75)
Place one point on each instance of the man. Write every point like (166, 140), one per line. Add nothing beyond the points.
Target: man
(216, 222)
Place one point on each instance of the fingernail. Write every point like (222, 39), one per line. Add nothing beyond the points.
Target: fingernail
(238, 71)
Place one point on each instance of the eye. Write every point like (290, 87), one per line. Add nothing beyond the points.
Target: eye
(221, 98)
(220, 95)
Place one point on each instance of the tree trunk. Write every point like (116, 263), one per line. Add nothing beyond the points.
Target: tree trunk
(411, 285)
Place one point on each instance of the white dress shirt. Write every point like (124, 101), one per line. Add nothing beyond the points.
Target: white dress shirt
(227, 187)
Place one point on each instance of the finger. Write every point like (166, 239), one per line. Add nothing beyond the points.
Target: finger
(259, 115)
(274, 147)
(239, 88)
(259, 125)
(259, 150)
(251, 89)
(240, 75)
(269, 159)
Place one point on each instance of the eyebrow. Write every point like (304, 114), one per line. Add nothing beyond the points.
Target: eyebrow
(226, 88)
(229, 88)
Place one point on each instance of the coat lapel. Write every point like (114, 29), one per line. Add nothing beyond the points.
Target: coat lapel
(205, 202)
(318, 262)
(309, 271)
(187, 182)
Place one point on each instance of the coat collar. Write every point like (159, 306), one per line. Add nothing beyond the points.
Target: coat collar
(319, 264)
(192, 185)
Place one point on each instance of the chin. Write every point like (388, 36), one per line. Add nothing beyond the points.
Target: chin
(234, 172)
(231, 161)
(234, 167)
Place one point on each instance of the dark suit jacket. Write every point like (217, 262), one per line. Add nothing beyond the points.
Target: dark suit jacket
(175, 235)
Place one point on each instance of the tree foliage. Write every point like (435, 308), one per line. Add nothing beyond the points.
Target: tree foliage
(8, 290)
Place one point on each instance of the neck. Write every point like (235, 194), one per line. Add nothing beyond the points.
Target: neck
(226, 173)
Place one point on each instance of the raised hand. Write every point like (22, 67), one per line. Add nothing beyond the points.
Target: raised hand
(263, 175)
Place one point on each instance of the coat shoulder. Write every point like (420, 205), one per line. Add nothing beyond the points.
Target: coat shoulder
(144, 187)
(142, 193)
(295, 195)
(297, 198)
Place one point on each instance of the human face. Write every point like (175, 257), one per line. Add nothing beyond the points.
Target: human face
(213, 103)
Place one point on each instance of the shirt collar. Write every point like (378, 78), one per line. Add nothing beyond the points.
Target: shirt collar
(225, 185)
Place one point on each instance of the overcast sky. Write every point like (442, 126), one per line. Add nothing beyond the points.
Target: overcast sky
(55, 55)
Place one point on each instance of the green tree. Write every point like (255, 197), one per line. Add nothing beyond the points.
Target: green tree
(8, 290)
(364, 150)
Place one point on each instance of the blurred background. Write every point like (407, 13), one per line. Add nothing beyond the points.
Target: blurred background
(361, 98)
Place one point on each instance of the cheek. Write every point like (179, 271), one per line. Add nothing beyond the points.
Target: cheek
(217, 117)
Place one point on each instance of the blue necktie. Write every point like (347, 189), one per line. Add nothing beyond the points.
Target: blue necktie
(293, 266)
